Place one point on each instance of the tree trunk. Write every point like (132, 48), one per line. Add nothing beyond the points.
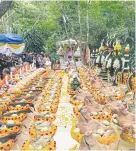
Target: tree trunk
(80, 46)
(4, 6)
(5, 23)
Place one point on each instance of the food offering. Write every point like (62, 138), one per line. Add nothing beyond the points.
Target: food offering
(59, 73)
(102, 91)
(20, 106)
(102, 117)
(40, 143)
(50, 107)
(42, 128)
(46, 74)
(76, 111)
(101, 98)
(74, 82)
(131, 83)
(50, 100)
(100, 140)
(15, 106)
(75, 102)
(128, 137)
(3, 107)
(5, 100)
(14, 115)
(25, 97)
(121, 118)
(75, 132)
(51, 95)
(103, 112)
(8, 141)
(45, 116)
(108, 139)
(16, 112)
(10, 127)
(93, 110)
(89, 80)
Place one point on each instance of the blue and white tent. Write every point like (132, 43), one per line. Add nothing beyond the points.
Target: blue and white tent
(11, 43)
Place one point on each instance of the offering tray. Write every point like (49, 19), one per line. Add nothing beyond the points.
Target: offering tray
(16, 118)
(50, 146)
(34, 132)
(41, 118)
(127, 137)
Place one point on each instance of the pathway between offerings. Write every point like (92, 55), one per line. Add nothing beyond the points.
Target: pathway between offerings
(64, 117)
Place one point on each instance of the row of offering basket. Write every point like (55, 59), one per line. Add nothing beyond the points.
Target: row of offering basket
(14, 106)
(42, 130)
(102, 115)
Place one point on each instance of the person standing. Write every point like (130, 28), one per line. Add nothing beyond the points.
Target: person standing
(6, 75)
(37, 61)
(3, 64)
(48, 63)
(1, 68)
(43, 61)
(23, 57)
(34, 62)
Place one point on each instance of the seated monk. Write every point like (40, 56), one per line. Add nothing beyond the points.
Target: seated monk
(56, 65)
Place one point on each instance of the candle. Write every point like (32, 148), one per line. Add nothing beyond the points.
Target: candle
(23, 69)
(11, 75)
(6, 79)
(26, 68)
(30, 66)
(20, 71)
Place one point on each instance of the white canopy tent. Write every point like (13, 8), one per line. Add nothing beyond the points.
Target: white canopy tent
(67, 42)
(74, 44)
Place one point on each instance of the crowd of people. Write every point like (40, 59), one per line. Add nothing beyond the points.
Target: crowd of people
(9, 63)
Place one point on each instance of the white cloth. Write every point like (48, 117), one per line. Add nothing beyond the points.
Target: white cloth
(79, 63)
(70, 62)
(48, 64)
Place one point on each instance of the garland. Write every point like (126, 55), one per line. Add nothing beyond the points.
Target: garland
(113, 60)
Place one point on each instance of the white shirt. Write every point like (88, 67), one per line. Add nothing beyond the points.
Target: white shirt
(48, 63)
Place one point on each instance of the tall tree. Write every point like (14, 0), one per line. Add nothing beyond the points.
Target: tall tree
(4, 6)
(112, 17)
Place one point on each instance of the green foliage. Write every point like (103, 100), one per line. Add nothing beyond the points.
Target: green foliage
(33, 41)
(4, 6)
(75, 84)
(46, 17)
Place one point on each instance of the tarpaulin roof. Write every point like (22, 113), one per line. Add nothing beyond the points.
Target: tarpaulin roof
(11, 39)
